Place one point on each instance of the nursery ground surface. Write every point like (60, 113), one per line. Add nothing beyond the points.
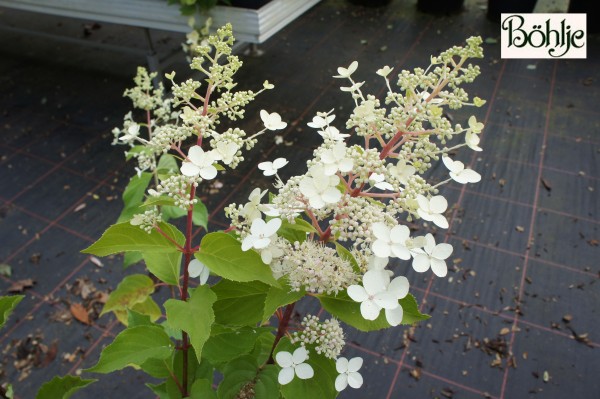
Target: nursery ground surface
(517, 315)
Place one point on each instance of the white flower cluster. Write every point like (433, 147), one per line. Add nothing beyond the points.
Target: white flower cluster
(326, 337)
(177, 187)
(147, 220)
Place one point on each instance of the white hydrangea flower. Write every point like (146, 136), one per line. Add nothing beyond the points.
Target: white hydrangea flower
(390, 242)
(399, 288)
(458, 172)
(199, 163)
(334, 159)
(293, 365)
(401, 171)
(251, 210)
(349, 374)
(320, 122)
(433, 209)
(319, 188)
(352, 88)
(385, 71)
(270, 168)
(225, 152)
(433, 256)
(260, 234)
(272, 121)
(347, 72)
(373, 295)
(198, 269)
(366, 111)
(332, 133)
(378, 180)
(471, 137)
(132, 132)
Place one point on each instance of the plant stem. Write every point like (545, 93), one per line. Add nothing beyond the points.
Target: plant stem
(282, 329)
(184, 289)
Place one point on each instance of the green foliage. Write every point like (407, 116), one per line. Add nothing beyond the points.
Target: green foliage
(195, 316)
(295, 231)
(124, 237)
(345, 309)
(223, 255)
(62, 387)
(321, 385)
(245, 372)
(132, 293)
(227, 344)
(7, 305)
(133, 195)
(134, 346)
(239, 304)
(278, 297)
(202, 389)
(164, 265)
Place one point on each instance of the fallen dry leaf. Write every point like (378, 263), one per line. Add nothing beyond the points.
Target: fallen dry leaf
(79, 207)
(21, 285)
(546, 184)
(80, 313)
(96, 261)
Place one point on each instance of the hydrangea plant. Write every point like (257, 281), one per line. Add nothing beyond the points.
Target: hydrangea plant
(330, 233)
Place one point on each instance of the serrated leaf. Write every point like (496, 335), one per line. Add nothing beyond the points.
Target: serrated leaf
(200, 215)
(202, 389)
(229, 344)
(132, 290)
(62, 387)
(167, 164)
(157, 368)
(124, 237)
(133, 195)
(224, 256)
(278, 297)
(195, 316)
(7, 305)
(295, 231)
(134, 345)
(135, 319)
(239, 304)
(411, 313)
(244, 370)
(165, 266)
(345, 309)
(131, 258)
(319, 386)
(172, 212)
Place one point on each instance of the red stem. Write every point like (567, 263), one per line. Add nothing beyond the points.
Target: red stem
(281, 330)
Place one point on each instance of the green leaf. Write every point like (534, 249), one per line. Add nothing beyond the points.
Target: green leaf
(239, 304)
(224, 256)
(62, 387)
(157, 368)
(347, 256)
(132, 290)
(319, 386)
(345, 309)
(278, 297)
(158, 201)
(124, 237)
(131, 258)
(172, 212)
(411, 313)
(7, 305)
(148, 307)
(202, 389)
(135, 346)
(244, 370)
(295, 231)
(133, 195)
(262, 348)
(167, 164)
(195, 316)
(165, 266)
(159, 390)
(200, 215)
(135, 319)
(229, 344)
